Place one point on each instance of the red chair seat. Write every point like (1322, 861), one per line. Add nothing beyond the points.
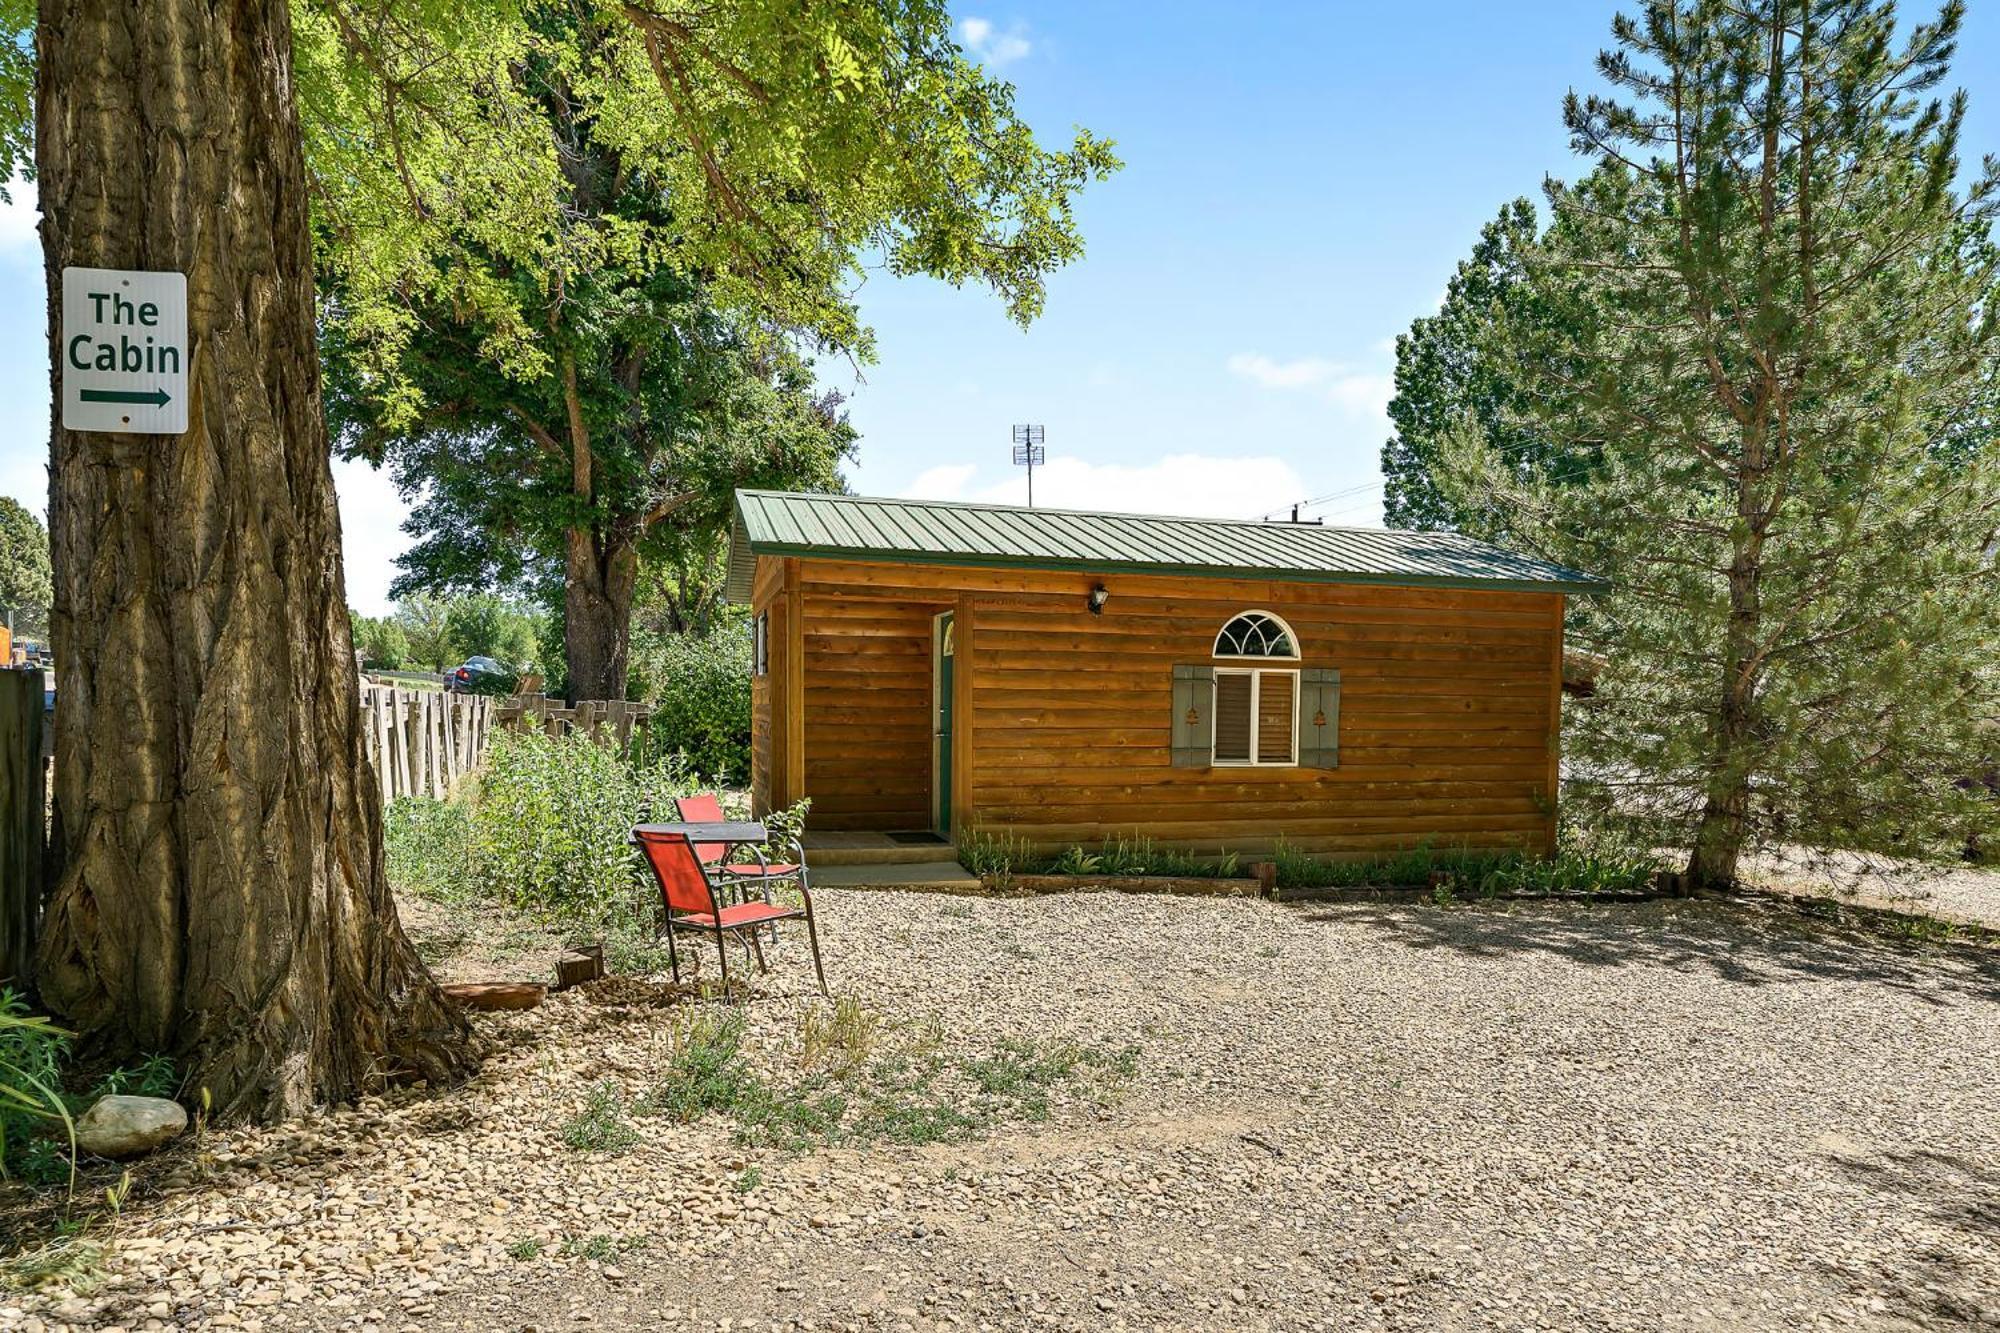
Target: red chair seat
(745, 914)
(747, 868)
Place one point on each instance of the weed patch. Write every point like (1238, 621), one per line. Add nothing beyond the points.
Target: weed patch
(601, 1125)
(859, 1080)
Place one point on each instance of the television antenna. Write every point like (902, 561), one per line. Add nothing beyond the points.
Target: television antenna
(1029, 453)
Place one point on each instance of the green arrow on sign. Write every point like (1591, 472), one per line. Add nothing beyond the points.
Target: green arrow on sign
(157, 397)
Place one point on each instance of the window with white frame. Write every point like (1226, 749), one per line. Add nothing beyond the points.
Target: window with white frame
(1256, 707)
(760, 644)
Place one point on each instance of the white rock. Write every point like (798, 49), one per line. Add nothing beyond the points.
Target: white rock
(120, 1126)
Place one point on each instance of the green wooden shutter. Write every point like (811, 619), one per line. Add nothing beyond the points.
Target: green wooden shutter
(1319, 718)
(1194, 720)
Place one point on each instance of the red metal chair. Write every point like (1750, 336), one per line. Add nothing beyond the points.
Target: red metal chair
(691, 904)
(707, 809)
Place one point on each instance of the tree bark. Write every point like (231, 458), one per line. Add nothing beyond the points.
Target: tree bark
(598, 582)
(223, 896)
(1725, 817)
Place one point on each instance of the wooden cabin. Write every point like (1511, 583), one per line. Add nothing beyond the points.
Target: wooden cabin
(1065, 677)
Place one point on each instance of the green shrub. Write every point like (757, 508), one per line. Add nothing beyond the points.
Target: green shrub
(699, 687)
(1584, 863)
(427, 845)
(551, 824)
(31, 1100)
(1003, 855)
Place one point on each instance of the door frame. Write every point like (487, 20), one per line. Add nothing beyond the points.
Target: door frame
(944, 722)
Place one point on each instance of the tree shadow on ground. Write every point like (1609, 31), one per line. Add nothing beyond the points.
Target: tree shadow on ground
(1960, 1196)
(1748, 943)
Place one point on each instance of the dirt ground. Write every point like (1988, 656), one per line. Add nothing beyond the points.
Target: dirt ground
(1177, 1114)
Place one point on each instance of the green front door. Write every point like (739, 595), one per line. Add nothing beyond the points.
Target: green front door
(942, 650)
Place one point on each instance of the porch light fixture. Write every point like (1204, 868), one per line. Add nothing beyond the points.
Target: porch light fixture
(1098, 597)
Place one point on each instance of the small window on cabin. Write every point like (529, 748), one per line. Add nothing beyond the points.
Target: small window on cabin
(1256, 708)
(760, 644)
(1257, 634)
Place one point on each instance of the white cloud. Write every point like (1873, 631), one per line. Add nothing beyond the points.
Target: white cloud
(1201, 485)
(993, 47)
(1361, 395)
(371, 533)
(1303, 373)
(944, 482)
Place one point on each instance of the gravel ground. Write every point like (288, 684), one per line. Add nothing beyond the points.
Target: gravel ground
(1965, 894)
(1556, 1116)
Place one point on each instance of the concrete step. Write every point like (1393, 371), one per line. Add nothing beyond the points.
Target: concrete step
(942, 876)
(870, 849)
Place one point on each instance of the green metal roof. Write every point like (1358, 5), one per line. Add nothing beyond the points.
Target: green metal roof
(934, 532)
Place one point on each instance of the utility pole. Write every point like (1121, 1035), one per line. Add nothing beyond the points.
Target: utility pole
(1029, 453)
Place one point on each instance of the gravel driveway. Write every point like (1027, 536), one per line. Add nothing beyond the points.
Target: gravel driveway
(1562, 1116)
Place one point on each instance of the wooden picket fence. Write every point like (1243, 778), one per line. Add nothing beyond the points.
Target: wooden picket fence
(609, 721)
(423, 741)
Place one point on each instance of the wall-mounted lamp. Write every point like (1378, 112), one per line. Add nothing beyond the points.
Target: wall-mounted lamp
(1098, 597)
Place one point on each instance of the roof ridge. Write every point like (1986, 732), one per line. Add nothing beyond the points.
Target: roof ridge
(1101, 513)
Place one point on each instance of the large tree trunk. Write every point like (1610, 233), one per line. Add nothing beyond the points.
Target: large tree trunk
(1725, 817)
(598, 583)
(222, 895)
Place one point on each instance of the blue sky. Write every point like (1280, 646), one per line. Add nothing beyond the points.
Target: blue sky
(1300, 180)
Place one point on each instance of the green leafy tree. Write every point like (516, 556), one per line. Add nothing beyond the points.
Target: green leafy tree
(1772, 331)
(425, 620)
(485, 625)
(793, 142)
(380, 641)
(699, 686)
(25, 585)
(619, 363)
(1447, 375)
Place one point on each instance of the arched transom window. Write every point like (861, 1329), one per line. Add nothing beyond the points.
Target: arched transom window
(1256, 708)
(1257, 634)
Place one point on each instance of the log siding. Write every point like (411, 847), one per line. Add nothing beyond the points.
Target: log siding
(1449, 708)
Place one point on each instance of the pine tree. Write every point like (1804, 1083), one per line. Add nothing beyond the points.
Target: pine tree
(1770, 327)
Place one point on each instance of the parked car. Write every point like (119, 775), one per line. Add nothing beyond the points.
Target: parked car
(481, 675)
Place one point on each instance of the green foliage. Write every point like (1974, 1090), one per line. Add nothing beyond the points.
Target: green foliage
(1771, 327)
(433, 633)
(425, 621)
(523, 1248)
(1447, 375)
(462, 154)
(705, 1073)
(381, 642)
(26, 585)
(1001, 855)
(428, 846)
(551, 825)
(601, 1126)
(484, 625)
(153, 1076)
(1587, 861)
(862, 1082)
(31, 1101)
(699, 687)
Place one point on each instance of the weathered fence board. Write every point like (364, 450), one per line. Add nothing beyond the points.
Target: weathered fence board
(422, 742)
(601, 719)
(24, 789)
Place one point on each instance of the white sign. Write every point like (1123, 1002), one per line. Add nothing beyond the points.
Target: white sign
(124, 351)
